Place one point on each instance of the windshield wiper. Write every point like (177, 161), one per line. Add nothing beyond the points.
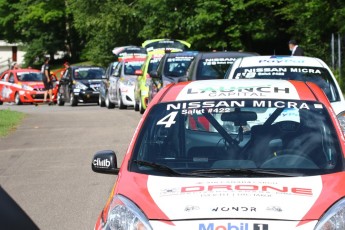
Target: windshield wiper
(162, 168)
(248, 172)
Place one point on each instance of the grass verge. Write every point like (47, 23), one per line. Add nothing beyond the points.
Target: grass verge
(9, 120)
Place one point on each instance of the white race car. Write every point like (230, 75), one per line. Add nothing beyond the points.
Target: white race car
(299, 68)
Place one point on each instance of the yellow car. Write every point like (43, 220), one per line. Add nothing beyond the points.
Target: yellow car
(141, 86)
(165, 44)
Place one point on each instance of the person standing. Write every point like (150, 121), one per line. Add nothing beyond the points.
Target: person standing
(295, 49)
(47, 81)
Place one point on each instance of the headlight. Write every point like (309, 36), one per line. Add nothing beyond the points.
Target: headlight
(334, 218)
(341, 119)
(26, 87)
(79, 85)
(124, 214)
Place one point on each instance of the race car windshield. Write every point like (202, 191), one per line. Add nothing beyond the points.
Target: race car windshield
(88, 73)
(131, 67)
(320, 76)
(33, 76)
(213, 68)
(177, 66)
(222, 137)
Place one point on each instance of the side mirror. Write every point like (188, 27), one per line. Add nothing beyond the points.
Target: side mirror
(341, 119)
(105, 162)
(138, 72)
(154, 74)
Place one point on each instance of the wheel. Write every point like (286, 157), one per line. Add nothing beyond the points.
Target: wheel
(17, 100)
(136, 105)
(1, 102)
(101, 102)
(141, 108)
(120, 102)
(60, 102)
(108, 103)
(73, 101)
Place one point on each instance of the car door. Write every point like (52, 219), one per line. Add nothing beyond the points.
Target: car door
(113, 81)
(5, 89)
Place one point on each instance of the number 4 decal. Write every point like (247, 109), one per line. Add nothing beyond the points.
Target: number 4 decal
(168, 120)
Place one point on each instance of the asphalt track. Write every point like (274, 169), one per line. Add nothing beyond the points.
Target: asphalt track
(45, 164)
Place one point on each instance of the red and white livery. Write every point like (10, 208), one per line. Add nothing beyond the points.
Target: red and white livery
(230, 155)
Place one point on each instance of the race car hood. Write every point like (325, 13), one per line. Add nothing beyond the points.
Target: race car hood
(176, 198)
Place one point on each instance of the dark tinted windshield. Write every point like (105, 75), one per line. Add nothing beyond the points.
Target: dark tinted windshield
(287, 136)
(88, 73)
(177, 66)
(320, 76)
(213, 68)
(29, 76)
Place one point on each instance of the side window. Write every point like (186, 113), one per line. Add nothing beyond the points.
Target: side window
(5, 78)
(11, 78)
(118, 70)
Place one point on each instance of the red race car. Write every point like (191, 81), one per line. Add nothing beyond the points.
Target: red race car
(23, 86)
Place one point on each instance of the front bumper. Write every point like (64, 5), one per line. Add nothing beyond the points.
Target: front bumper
(86, 96)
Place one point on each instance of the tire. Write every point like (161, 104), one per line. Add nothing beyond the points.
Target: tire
(141, 108)
(101, 102)
(73, 100)
(17, 100)
(108, 103)
(136, 105)
(59, 100)
(1, 102)
(120, 102)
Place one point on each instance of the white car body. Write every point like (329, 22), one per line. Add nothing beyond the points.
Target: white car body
(298, 62)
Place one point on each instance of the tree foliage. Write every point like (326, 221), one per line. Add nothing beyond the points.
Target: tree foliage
(90, 29)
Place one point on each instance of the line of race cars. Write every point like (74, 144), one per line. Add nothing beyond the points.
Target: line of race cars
(245, 142)
(260, 153)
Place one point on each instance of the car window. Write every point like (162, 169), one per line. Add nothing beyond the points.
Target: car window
(88, 73)
(213, 68)
(131, 67)
(319, 76)
(11, 78)
(177, 66)
(287, 136)
(29, 76)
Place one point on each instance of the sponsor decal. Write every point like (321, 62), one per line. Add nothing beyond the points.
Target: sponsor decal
(231, 226)
(6, 92)
(191, 208)
(218, 61)
(281, 60)
(180, 59)
(99, 163)
(252, 72)
(248, 187)
(234, 209)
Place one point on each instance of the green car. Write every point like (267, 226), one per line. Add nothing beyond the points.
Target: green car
(141, 85)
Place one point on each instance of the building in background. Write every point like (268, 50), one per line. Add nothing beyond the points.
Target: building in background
(9, 53)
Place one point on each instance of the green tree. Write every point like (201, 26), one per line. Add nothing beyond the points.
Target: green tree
(104, 25)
